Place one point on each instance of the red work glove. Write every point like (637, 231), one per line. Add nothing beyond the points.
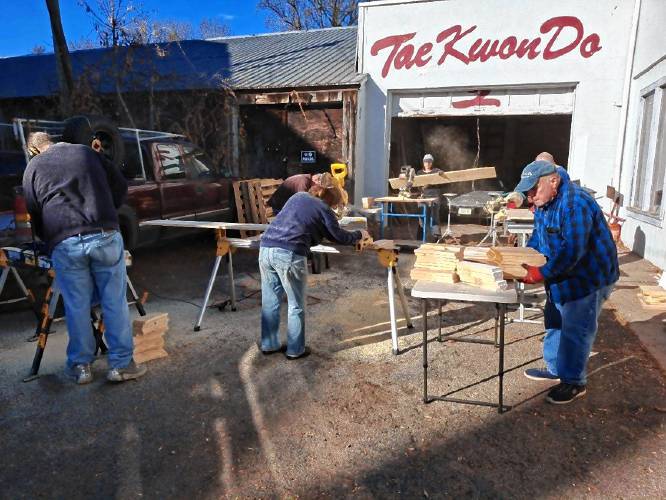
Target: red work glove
(511, 204)
(533, 275)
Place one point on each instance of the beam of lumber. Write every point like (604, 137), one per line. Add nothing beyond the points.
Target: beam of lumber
(438, 277)
(470, 174)
(519, 214)
(200, 224)
(149, 324)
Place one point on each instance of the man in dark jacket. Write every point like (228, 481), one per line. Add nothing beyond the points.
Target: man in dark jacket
(72, 197)
(581, 269)
(299, 183)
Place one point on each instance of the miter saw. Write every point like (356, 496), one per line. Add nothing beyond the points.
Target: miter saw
(408, 190)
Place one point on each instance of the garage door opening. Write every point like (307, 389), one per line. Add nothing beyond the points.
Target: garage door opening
(507, 143)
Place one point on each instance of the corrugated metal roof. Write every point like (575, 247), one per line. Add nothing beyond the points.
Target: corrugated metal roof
(312, 58)
(293, 59)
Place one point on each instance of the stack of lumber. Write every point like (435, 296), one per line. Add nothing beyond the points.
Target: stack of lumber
(511, 260)
(477, 254)
(148, 334)
(436, 262)
(482, 275)
(652, 297)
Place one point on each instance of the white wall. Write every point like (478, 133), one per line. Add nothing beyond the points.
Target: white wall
(644, 234)
(598, 79)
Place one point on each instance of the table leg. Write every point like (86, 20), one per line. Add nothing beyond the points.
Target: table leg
(391, 297)
(209, 289)
(424, 309)
(424, 214)
(439, 332)
(381, 222)
(502, 313)
(497, 314)
(232, 283)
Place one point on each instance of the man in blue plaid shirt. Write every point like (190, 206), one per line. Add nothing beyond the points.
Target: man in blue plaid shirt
(581, 268)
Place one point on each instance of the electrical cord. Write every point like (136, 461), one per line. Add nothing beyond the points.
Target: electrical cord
(198, 306)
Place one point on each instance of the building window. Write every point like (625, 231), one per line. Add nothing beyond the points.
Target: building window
(648, 186)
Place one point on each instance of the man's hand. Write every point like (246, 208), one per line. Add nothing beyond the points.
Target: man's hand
(533, 275)
(514, 200)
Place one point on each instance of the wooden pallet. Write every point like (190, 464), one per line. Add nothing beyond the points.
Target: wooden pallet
(252, 197)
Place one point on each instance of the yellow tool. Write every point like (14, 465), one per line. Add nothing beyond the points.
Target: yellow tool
(339, 173)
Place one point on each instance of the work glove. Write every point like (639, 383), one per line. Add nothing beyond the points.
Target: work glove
(533, 275)
(514, 200)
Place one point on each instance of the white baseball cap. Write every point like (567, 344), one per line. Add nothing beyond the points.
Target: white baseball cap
(428, 157)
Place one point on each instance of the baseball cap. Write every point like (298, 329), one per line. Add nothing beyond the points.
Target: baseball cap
(532, 173)
(428, 157)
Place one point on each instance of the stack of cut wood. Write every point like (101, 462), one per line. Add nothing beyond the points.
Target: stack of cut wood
(436, 262)
(481, 275)
(511, 259)
(652, 297)
(149, 337)
(477, 254)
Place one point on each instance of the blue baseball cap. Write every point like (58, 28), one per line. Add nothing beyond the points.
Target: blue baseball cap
(532, 173)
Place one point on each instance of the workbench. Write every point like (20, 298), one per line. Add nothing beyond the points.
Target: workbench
(460, 292)
(387, 257)
(387, 211)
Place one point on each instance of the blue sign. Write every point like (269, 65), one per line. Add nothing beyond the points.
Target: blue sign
(308, 157)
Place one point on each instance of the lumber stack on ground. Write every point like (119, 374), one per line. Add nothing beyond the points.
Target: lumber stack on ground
(511, 260)
(148, 334)
(652, 297)
(482, 275)
(436, 262)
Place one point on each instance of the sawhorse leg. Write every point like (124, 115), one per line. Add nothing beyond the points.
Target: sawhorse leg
(44, 327)
(209, 289)
(137, 301)
(392, 282)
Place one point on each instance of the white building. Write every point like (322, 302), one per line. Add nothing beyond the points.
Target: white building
(512, 79)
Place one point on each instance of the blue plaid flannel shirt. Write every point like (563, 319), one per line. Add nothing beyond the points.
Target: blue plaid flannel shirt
(572, 233)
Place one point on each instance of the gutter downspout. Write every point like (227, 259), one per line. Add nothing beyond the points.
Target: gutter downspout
(622, 132)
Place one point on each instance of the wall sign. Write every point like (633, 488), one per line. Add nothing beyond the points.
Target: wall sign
(308, 157)
(455, 43)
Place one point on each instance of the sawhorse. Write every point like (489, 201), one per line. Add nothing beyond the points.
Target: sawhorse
(49, 306)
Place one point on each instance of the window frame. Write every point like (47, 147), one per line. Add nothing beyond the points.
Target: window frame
(656, 127)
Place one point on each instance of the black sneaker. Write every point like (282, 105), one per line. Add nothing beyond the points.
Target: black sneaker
(304, 354)
(282, 348)
(563, 393)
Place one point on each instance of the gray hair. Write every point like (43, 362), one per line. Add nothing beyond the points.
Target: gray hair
(38, 142)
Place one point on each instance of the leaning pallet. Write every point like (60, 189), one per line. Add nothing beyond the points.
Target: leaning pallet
(250, 207)
(268, 187)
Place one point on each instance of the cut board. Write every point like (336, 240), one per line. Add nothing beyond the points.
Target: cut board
(144, 356)
(470, 174)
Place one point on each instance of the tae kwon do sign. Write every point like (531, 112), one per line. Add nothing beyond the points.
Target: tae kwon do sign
(562, 35)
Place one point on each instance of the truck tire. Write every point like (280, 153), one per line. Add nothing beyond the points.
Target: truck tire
(97, 132)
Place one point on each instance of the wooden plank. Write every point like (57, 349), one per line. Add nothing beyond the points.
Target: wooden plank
(240, 209)
(149, 344)
(523, 214)
(150, 323)
(470, 174)
(143, 357)
(205, 224)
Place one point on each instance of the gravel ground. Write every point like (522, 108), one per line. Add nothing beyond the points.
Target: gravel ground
(218, 419)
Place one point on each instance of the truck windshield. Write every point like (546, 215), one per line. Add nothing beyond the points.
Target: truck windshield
(179, 161)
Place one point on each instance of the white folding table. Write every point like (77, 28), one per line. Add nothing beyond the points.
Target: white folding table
(459, 292)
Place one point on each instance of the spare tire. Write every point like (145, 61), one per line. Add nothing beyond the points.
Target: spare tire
(97, 132)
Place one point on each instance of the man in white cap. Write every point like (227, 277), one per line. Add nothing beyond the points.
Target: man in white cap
(431, 192)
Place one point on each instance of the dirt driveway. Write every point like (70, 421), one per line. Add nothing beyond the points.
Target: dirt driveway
(218, 419)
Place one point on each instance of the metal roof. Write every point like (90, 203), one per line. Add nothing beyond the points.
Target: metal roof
(325, 57)
(293, 59)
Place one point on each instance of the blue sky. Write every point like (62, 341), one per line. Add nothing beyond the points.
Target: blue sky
(25, 23)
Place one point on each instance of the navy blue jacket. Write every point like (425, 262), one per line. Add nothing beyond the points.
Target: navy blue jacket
(572, 233)
(69, 190)
(303, 222)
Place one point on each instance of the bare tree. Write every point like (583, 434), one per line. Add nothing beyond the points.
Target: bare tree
(212, 28)
(310, 14)
(63, 63)
(116, 22)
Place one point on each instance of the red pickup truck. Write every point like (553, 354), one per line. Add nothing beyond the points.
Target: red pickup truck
(168, 177)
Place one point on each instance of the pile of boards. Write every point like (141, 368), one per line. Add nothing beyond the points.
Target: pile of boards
(148, 334)
(485, 267)
(652, 297)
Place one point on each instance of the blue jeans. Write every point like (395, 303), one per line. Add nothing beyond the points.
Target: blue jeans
(92, 268)
(282, 271)
(570, 332)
